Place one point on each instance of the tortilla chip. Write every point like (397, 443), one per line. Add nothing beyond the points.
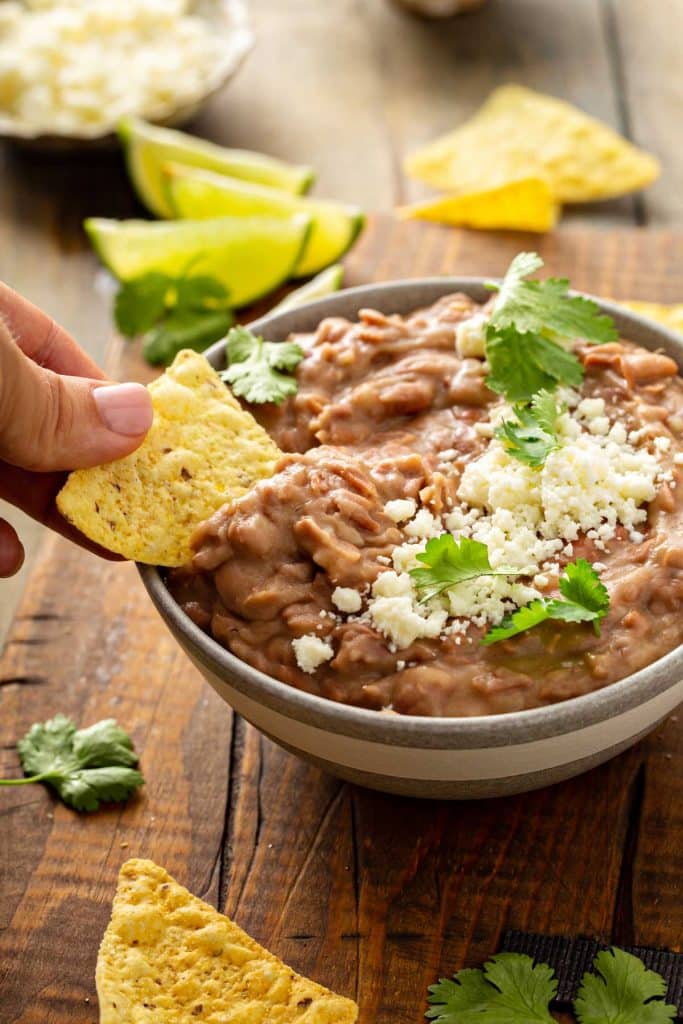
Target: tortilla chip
(523, 205)
(202, 450)
(669, 315)
(521, 133)
(169, 958)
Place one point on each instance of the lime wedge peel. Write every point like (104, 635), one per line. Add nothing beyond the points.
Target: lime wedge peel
(325, 283)
(201, 194)
(147, 147)
(251, 256)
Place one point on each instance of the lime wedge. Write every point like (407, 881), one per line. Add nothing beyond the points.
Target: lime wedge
(148, 147)
(249, 255)
(201, 194)
(324, 283)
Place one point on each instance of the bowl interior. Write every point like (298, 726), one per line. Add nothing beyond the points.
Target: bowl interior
(518, 726)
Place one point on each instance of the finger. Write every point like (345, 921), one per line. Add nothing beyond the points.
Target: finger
(44, 341)
(50, 421)
(11, 550)
(34, 493)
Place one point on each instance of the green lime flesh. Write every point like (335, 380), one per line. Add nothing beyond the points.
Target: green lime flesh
(148, 147)
(249, 256)
(202, 194)
(324, 283)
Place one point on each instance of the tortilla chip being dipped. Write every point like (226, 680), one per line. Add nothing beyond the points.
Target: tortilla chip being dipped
(522, 133)
(203, 449)
(523, 205)
(169, 958)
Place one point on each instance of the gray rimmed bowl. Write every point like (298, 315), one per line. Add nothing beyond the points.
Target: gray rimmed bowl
(433, 757)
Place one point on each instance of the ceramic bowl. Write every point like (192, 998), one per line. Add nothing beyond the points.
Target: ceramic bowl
(229, 19)
(433, 757)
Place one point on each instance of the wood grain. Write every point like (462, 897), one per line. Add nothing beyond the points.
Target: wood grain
(358, 85)
(372, 895)
(647, 45)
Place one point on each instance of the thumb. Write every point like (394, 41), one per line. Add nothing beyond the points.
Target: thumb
(49, 421)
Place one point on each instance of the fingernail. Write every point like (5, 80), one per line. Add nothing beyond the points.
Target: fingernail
(124, 408)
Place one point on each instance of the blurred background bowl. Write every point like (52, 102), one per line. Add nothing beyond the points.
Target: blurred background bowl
(228, 18)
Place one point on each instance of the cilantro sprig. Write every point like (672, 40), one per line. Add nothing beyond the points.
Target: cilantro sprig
(523, 354)
(449, 562)
(532, 435)
(622, 991)
(584, 599)
(257, 369)
(511, 989)
(85, 766)
(172, 313)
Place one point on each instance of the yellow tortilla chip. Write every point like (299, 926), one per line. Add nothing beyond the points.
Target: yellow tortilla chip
(669, 315)
(169, 958)
(523, 205)
(520, 133)
(202, 450)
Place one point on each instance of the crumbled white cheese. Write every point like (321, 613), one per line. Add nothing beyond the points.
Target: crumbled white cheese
(404, 556)
(590, 408)
(400, 509)
(394, 611)
(678, 459)
(488, 598)
(470, 336)
(311, 651)
(423, 525)
(662, 443)
(73, 64)
(347, 599)
(590, 482)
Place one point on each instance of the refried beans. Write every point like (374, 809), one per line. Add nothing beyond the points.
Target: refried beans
(386, 409)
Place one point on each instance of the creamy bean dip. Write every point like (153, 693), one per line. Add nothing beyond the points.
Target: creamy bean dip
(390, 441)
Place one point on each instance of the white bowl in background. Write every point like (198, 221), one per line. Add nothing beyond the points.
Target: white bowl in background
(228, 18)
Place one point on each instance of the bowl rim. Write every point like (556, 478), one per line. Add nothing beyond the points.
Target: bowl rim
(438, 732)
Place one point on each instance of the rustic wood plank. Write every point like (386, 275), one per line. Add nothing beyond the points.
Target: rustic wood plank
(353, 88)
(370, 894)
(648, 40)
(93, 647)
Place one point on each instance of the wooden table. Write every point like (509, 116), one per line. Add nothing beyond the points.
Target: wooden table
(370, 894)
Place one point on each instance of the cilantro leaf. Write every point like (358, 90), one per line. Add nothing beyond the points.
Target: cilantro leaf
(255, 367)
(509, 990)
(581, 585)
(200, 292)
(140, 303)
(532, 436)
(623, 991)
(520, 365)
(449, 562)
(85, 766)
(184, 328)
(530, 615)
(187, 311)
(513, 370)
(546, 305)
(527, 316)
(584, 599)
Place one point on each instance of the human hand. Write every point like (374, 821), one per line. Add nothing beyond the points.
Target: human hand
(57, 413)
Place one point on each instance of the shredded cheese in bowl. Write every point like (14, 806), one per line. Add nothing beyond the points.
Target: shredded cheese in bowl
(77, 67)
